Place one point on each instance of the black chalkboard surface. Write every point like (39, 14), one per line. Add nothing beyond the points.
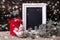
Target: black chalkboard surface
(33, 17)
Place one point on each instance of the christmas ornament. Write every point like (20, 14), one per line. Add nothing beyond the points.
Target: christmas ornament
(20, 33)
(14, 24)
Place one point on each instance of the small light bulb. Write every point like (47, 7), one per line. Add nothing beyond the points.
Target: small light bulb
(20, 9)
(3, 6)
(54, 13)
(58, 2)
(49, 14)
(6, 28)
(13, 8)
(57, 9)
(16, 6)
(52, 3)
(48, 2)
(49, 5)
(3, 26)
(9, 8)
(13, 2)
(53, 6)
(3, 0)
(55, 18)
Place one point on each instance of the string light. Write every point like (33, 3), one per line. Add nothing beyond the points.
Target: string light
(49, 14)
(58, 2)
(54, 12)
(53, 7)
(10, 12)
(52, 3)
(3, 26)
(5, 15)
(3, 6)
(6, 28)
(3, 0)
(57, 9)
(20, 9)
(9, 7)
(16, 6)
(55, 18)
(9, 15)
(48, 2)
(13, 8)
(13, 2)
(49, 5)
